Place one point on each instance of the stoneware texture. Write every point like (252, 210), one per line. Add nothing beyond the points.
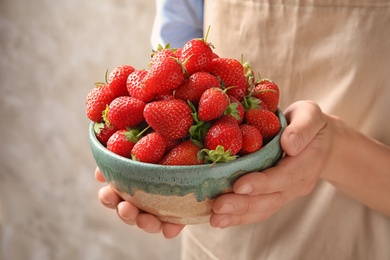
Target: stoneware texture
(179, 194)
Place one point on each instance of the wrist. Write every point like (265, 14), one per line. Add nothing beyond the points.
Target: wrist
(358, 165)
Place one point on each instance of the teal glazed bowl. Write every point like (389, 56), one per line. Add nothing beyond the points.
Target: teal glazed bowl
(179, 194)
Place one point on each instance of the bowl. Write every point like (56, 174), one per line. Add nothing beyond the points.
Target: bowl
(179, 194)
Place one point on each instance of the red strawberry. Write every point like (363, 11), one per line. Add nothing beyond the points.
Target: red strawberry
(122, 142)
(185, 153)
(125, 112)
(165, 75)
(267, 91)
(161, 53)
(239, 88)
(135, 88)
(171, 118)
(177, 52)
(97, 100)
(212, 104)
(149, 149)
(264, 120)
(229, 70)
(252, 140)
(103, 132)
(193, 88)
(117, 80)
(196, 55)
(224, 132)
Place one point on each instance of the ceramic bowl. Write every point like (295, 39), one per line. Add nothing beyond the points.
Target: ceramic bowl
(179, 194)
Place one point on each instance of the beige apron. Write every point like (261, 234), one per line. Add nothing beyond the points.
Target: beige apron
(337, 53)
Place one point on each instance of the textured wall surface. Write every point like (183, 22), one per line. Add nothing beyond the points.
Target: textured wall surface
(51, 53)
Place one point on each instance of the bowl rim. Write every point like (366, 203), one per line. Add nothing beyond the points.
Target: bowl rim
(101, 147)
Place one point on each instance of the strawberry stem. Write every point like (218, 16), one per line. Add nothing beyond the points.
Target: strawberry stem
(143, 131)
(199, 129)
(207, 33)
(106, 76)
(216, 156)
(232, 110)
(251, 102)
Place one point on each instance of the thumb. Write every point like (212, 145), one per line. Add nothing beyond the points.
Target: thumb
(305, 119)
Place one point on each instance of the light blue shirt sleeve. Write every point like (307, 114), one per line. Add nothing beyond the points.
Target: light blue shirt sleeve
(176, 22)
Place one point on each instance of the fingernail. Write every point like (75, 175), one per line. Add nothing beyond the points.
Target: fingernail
(226, 208)
(104, 200)
(224, 222)
(245, 189)
(294, 140)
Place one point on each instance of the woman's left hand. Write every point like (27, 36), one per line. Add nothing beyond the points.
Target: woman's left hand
(307, 142)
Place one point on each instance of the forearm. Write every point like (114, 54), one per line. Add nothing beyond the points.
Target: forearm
(359, 166)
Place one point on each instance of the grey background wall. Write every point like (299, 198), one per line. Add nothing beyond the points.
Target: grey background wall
(51, 53)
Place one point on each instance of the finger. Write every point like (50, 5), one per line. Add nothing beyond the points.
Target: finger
(287, 173)
(226, 220)
(170, 230)
(108, 197)
(127, 212)
(236, 204)
(251, 209)
(149, 223)
(99, 176)
(305, 121)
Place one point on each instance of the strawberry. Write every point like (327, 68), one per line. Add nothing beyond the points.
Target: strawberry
(134, 86)
(171, 118)
(252, 140)
(185, 153)
(196, 55)
(239, 88)
(149, 149)
(226, 133)
(212, 104)
(97, 100)
(162, 52)
(125, 111)
(177, 52)
(229, 70)
(165, 75)
(122, 142)
(267, 91)
(104, 131)
(117, 80)
(264, 120)
(193, 88)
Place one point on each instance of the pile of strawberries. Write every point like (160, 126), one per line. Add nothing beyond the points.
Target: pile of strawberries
(189, 107)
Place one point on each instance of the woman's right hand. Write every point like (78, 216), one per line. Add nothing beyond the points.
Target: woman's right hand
(133, 216)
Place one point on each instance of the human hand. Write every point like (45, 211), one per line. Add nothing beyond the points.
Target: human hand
(307, 142)
(133, 216)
